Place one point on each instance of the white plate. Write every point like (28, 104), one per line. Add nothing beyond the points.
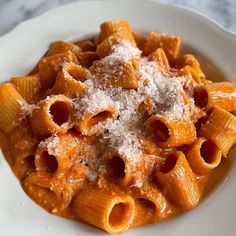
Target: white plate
(20, 50)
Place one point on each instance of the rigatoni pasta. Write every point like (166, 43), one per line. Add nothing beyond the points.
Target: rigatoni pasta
(10, 106)
(112, 213)
(52, 115)
(116, 131)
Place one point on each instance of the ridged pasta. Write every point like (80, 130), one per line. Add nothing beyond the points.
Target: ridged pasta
(54, 192)
(53, 154)
(105, 47)
(23, 146)
(110, 27)
(86, 59)
(110, 212)
(150, 204)
(125, 77)
(203, 156)
(89, 123)
(159, 56)
(86, 45)
(69, 80)
(29, 87)
(170, 133)
(58, 47)
(220, 128)
(120, 169)
(188, 64)
(140, 40)
(37, 186)
(178, 181)
(10, 107)
(50, 66)
(221, 94)
(169, 43)
(52, 115)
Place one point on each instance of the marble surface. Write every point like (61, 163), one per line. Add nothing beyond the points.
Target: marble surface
(12, 12)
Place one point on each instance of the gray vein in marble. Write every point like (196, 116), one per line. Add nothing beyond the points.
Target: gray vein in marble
(13, 12)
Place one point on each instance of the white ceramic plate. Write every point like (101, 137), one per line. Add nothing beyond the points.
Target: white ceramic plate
(20, 50)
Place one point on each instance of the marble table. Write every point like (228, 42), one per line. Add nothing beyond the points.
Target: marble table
(12, 12)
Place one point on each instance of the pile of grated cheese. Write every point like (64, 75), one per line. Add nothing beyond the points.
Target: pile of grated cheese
(164, 90)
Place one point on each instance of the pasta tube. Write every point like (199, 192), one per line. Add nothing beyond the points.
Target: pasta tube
(110, 212)
(37, 186)
(188, 64)
(10, 107)
(140, 40)
(23, 147)
(69, 80)
(58, 47)
(86, 45)
(203, 156)
(53, 154)
(50, 66)
(170, 44)
(119, 74)
(222, 94)
(89, 123)
(86, 59)
(178, 181)
(159, 56)
(220, 128)
(105, 47)
(171, 133)
(150, 204)
(120, 169)
(29, 87)
(110, 27)
(52, 115)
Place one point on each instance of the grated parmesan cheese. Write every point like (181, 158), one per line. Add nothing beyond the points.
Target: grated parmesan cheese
(51, 144)
(164, 90)
(26, 108)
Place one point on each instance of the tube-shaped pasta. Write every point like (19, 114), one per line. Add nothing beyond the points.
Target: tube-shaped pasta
(10, 107)
(220, 128)
(58, 47)
(127, 79)
(159, 56)
(171, 133)
(28, 86)
(188, 64)
(37, 186)
(52, 115)
(86, 59)
(69, 80)
(105, 47)
(86, 45)
(110, 27)
(150, 204)
(145, 212)
(23, 147)
(221, 94)
(53, 154)
(203, 156)
(50, 66)
(169, 43)
(110, 212)
(120, 169)
(140, 40)
(119, 74)
(89, 123)
(178, 181)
